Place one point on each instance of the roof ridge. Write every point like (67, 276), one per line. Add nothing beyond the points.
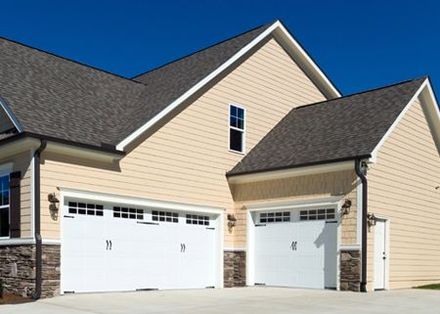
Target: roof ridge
(424, 77)
(200, 50)
(69, 60)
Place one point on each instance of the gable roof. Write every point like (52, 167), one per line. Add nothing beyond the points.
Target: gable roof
(340, 129)
(44, 94)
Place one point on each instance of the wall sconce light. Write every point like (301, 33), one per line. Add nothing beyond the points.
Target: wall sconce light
(371, 220)
(345, 208)
(53, 206)
(231, 221)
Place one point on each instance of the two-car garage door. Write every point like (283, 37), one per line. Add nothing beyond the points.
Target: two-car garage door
(296, 248)
(109, 247)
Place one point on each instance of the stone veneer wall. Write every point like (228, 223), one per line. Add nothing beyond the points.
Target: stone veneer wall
(234, 269)
(17, 270)
(350, 270)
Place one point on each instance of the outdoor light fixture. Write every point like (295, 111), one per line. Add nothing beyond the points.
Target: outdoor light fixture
(345, 208)
(231, 221)
(53, 207)
(371, 220)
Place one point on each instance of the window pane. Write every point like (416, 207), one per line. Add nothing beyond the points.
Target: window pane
(236, 140)
(240, 113)
(233, 121)
(233, 111)
(240, 124)
(4, 222)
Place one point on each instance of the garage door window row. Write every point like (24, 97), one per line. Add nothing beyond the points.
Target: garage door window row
(275, 217)
(197, 220)
(317, 214)
(165, 216)
(86, 209)
(128, 213)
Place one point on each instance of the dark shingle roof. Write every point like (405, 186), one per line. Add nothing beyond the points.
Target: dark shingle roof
(337, 129)
(53, 96)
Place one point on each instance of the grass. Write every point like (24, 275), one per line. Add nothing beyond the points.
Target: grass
(430, 287)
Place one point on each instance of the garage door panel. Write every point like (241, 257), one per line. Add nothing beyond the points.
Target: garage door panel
(113, 252)
(295, 253)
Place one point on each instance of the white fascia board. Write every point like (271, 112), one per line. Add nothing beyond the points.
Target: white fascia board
(293, 172)
(91, 154)
(11, 115)
(292, 204)
(277, 25)
(424, 85)
(139, 201)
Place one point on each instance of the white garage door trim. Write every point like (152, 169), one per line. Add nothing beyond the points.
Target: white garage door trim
(335, 202)
(66, 193)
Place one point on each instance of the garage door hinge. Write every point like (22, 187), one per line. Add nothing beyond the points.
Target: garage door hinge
(210, 287)
(66, 216)
(69, 292)
(260, 225)
(259, 284)
(331, 222)
(147, 289)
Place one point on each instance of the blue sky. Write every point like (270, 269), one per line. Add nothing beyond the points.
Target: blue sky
(359, 44)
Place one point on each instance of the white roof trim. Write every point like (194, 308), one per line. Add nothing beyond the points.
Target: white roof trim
(331, 90)
(428, 99)
(11, 115)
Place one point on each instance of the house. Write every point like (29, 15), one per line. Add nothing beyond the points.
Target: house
(240, 164)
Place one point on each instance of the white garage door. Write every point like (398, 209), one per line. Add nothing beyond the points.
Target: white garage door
(296, 248)
(107, 247)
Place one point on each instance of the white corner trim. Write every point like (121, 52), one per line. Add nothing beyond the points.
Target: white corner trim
(139, 201)
(353, 247)
(398, 119)
(11, 115)
(277, 25)
(292, 204)
(292, 172)
(359, 211)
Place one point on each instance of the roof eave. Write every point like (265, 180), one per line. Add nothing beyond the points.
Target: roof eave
(309, 168)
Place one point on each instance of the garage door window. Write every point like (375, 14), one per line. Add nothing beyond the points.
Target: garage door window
(197, 220)
(317, 214)
(165, 216)
(86, 209)
(274, 217)
(128, 213)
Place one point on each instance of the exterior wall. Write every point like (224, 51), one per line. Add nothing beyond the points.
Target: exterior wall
(17, 270)
(22, 163)
(402, 188)
(186, 160)
(316, 186)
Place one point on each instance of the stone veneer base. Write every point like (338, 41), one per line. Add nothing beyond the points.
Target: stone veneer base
(17, 270)
(350, 270)
(234, 269)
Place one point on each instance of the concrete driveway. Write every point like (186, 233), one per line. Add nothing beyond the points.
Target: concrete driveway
(236, 300)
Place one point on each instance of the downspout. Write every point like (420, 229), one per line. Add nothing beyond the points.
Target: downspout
(37, 212)
(361, 174)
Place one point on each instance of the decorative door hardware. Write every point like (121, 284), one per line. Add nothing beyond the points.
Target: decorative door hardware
(182, 247)
(109, 245)
(294, 245)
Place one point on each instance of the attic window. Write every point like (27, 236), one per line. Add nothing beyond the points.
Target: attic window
(236, 129)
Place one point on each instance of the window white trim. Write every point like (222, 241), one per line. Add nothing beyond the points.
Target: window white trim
(294, 49)
(243, 152)
(5, 170)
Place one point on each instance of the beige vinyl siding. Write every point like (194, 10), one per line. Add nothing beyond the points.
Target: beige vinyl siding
(402, 189)
(187, 159)
(22, 163)
(342, 183)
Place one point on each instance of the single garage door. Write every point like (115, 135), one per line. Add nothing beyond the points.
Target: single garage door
(109, 247)
(296, 248)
